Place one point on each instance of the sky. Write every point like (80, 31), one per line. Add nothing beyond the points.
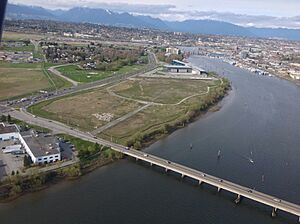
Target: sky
(260, 13)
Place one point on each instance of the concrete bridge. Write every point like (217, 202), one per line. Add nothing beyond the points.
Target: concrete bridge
(220, 184)
(203, 178)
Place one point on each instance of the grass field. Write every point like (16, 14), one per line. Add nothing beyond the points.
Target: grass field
(148, 120)
(29, 48)
(79, 110)
(21, 81)
(81, 75)
(166, 91)
(18, 80)
(21, 36)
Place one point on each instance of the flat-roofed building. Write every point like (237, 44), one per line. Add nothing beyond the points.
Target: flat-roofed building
(178, 69)
(172, 50)
(42, 148)
(10, 131)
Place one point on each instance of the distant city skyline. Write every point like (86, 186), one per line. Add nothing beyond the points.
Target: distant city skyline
(267, 13)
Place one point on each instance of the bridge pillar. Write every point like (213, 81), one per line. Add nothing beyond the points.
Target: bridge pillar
(151, 164)
(274, 212)
(219, 189)
(136, 159)
(182, 175)
(238, 199)
(200, 182)
(166, 169)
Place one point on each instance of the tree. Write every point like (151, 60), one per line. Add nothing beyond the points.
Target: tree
(27, 161)
(8, 118)
(137, 145)
(3, 118)
(13, 173)
(97, 147)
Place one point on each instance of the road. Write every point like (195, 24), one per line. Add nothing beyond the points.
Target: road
(219, 183)
(83, 87)
(201, 177)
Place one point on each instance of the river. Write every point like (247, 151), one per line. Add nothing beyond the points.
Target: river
(259, 121)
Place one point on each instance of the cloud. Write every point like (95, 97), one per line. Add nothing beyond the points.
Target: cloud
(120, 7)
(171, 12)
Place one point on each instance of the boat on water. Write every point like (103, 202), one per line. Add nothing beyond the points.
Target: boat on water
(219, 154)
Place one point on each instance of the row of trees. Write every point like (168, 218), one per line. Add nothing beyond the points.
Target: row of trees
(6, 118)
(92, 53)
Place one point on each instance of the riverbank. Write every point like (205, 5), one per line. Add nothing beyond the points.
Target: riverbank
(194, 112)
(91, 157)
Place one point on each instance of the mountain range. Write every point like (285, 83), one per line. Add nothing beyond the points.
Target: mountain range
(124, 19)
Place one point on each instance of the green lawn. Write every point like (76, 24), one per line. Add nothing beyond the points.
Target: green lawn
(80, 75)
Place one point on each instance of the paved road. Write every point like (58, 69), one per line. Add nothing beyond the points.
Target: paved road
(154, 160)
(83, 87)
(217, 182)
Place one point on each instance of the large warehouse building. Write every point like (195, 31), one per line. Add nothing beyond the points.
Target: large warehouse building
(41, 148)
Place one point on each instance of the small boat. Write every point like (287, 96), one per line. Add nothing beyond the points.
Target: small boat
(263, 178)
(191, 146)
(251, 160)
(219, 154)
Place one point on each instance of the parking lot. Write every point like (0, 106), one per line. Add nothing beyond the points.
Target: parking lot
(9, 162)
(67, 150)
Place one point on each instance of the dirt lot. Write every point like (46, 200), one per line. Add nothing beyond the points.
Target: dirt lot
(21, 81)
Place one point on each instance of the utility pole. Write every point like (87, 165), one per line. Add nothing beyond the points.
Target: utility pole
(3, 4)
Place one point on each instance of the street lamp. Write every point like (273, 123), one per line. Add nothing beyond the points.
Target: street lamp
(3, 4)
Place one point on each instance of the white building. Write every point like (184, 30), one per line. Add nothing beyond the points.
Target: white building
(41, 148)
(8, 132)
(172, 50)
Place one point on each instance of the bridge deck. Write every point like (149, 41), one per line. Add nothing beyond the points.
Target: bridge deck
(263, 198)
